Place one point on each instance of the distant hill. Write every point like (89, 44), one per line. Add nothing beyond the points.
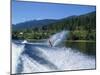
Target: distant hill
(72, 22)
(33, 24)
(86, 21)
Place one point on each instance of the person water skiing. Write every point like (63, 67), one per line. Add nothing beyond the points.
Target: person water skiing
(50, 43)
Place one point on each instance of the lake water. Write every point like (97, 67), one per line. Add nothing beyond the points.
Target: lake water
(88, 48)
(30, 57)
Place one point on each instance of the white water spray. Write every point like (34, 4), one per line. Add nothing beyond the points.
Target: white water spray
(25, 41)
(16, 52)
(57, 38)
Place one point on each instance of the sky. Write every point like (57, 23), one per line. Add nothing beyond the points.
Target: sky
(25, 11)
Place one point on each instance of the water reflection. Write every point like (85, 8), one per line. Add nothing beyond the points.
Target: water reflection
(88, 48)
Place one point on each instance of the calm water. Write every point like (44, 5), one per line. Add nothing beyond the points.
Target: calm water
(88, 48)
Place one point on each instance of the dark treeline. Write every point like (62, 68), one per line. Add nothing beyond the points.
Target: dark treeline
(81, 27)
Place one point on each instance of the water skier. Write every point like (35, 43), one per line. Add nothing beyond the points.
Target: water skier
(50, 43)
